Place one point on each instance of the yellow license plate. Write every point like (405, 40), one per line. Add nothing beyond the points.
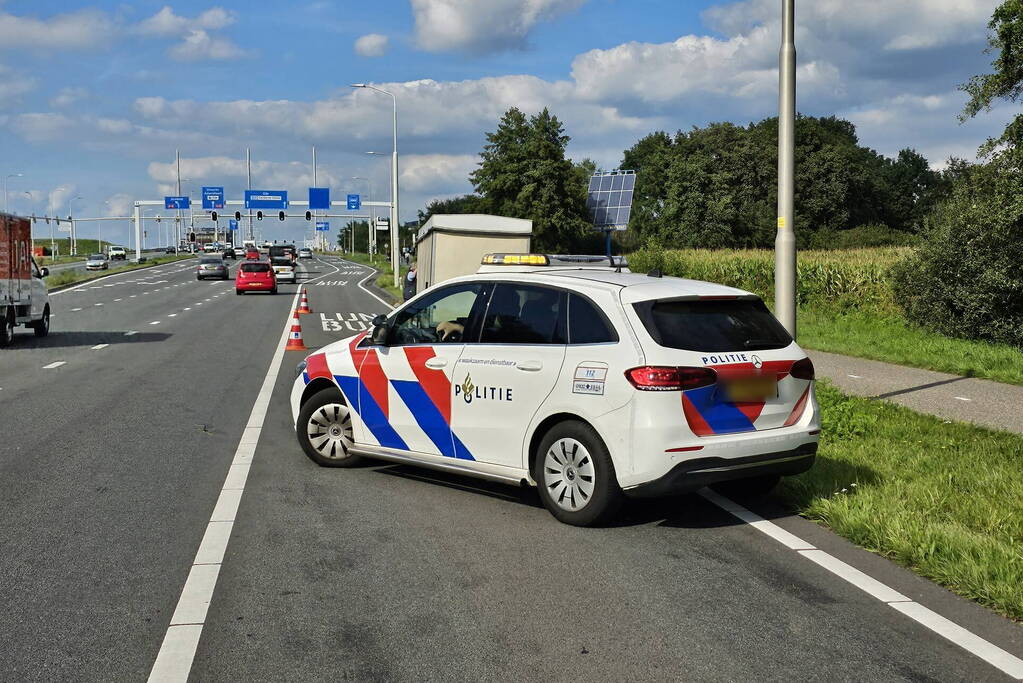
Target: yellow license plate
(752, 389)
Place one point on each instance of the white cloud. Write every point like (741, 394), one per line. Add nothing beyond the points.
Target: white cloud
(482, 27)
(434, 172)
(199, 45)
(167, 23)
(68, 96)
(371, 45)
(57, 199)
(71, 31)
(41, 127)
(119, 204)
(13, 84)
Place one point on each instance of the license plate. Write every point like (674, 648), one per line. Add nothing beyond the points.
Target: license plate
(751, 389)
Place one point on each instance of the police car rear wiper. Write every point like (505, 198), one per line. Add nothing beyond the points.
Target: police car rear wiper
(749, 344)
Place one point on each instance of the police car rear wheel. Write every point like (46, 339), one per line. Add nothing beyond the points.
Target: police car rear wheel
(575, 475)
(325, 430)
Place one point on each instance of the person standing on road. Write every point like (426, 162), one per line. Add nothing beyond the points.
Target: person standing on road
(409, 290)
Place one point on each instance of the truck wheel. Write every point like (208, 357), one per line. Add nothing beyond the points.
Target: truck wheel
(7, 329)
(324, 430)
(575, 476)
(42, 326)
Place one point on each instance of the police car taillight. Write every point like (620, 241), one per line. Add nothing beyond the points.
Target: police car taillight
(802, 369)
(659, 378)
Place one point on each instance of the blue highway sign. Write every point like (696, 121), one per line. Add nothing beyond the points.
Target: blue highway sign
(212, 198)
(176, 203)
(266, 199)
(232, 224)
(323, 226)
(319, 198)
(354, 202)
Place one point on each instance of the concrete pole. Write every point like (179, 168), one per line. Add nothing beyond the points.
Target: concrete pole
(785, 241)
(138, 232)
(248, 185)
(316, 234)
(394, 197)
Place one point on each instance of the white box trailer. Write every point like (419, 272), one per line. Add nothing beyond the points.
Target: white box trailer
(449, 245)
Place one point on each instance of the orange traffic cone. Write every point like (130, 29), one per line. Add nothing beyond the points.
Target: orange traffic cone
(295, 336)
(303, 303)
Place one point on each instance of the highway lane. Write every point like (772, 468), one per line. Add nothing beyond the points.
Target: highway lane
(112, 464)
(80, 265)
(394, 573)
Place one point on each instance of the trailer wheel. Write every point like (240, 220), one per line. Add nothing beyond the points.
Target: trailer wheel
(7, 328)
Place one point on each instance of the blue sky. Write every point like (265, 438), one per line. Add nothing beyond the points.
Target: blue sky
(95, 97)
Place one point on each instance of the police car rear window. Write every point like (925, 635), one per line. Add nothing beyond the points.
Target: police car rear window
(712, 324)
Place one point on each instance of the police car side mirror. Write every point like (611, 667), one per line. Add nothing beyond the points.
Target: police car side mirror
(43, 272)
(380, 330)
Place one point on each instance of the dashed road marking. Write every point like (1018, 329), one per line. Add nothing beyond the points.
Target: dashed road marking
(97, 347)
(172, 315)
(116, 299)
(972, 643)
(962, 398)
(55, 364)
(155, 322)
(75, 309)
(99, 304)
(130, 333)
(855, 376)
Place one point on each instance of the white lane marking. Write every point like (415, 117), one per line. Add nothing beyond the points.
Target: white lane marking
(962, 398)
(198, 303)
(972, 643)
(116, 299)
(97, 347)
(855, 376)
(73, 309)
(130, 333)
(55, 364)
(174, 660)
(99, 304)
(187, 308)
(132, 296)
(172, 315)
(362, 287)
(155, 322)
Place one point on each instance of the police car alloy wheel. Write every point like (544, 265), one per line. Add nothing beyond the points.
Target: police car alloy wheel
(325, 430)
(575, 476)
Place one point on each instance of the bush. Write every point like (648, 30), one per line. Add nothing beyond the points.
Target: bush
(863, 236)
(965, 280)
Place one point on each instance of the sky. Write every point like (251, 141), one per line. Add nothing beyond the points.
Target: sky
(96, 97)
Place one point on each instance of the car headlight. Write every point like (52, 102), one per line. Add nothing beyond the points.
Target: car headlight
(300, 368)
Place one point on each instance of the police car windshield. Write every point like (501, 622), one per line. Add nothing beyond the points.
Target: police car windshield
(713, 325)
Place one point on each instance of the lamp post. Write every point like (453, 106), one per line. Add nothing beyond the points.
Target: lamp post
(9, 175)
(394, 178)
(371, 235)
(74, 236)
(785, 240)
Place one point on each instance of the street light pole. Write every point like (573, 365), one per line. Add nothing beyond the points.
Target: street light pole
(9, 175)
(394, 179)
(785, 240)
(74, 235)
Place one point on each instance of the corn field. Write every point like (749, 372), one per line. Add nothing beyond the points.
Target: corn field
(855, 278)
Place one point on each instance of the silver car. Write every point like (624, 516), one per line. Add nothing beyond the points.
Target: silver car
(211, 266)
(97, 262)
(305, 252)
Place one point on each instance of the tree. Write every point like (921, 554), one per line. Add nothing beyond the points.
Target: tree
(468, 203)
(523, 173)
(1006, 83)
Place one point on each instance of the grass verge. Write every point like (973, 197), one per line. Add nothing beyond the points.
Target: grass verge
(385, 280)
(944, 499)
(68, 278)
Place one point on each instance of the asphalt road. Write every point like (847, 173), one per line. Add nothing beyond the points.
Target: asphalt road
(80, 265)
(113, 463)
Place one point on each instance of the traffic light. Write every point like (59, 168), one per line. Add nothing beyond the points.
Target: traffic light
(214, 216)
(259, 215)
(191, 237)
(237, 215)
(280, 215)
(308, 215)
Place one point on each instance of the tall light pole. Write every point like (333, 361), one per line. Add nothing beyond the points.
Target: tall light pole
(785, 240)
(372, 212)
(74, 236)
(394, 179)
(9, 175)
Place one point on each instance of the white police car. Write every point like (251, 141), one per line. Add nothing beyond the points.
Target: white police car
(588, 383)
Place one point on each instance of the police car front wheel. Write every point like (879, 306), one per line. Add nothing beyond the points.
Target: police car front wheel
(575, 475)
(324, 429)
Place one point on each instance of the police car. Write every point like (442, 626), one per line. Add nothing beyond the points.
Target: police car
(590, 383)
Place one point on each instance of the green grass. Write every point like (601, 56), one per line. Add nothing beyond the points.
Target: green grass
(889, 338)
(846, 306)
(943, 499)
(385, 280)
(72, 277)
(85, 247)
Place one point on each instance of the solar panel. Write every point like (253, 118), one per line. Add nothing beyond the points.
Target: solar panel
(609, 199)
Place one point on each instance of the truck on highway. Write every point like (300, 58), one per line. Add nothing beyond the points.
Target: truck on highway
(23, 296)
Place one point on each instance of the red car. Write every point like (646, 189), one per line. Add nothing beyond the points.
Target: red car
(252, 254)
(255, 276)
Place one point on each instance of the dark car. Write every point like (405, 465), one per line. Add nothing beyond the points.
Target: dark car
(211, 266)
(229, 253)
(170, 250)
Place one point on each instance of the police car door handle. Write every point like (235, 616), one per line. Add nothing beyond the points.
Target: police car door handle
(436, 363)
(530, 365)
